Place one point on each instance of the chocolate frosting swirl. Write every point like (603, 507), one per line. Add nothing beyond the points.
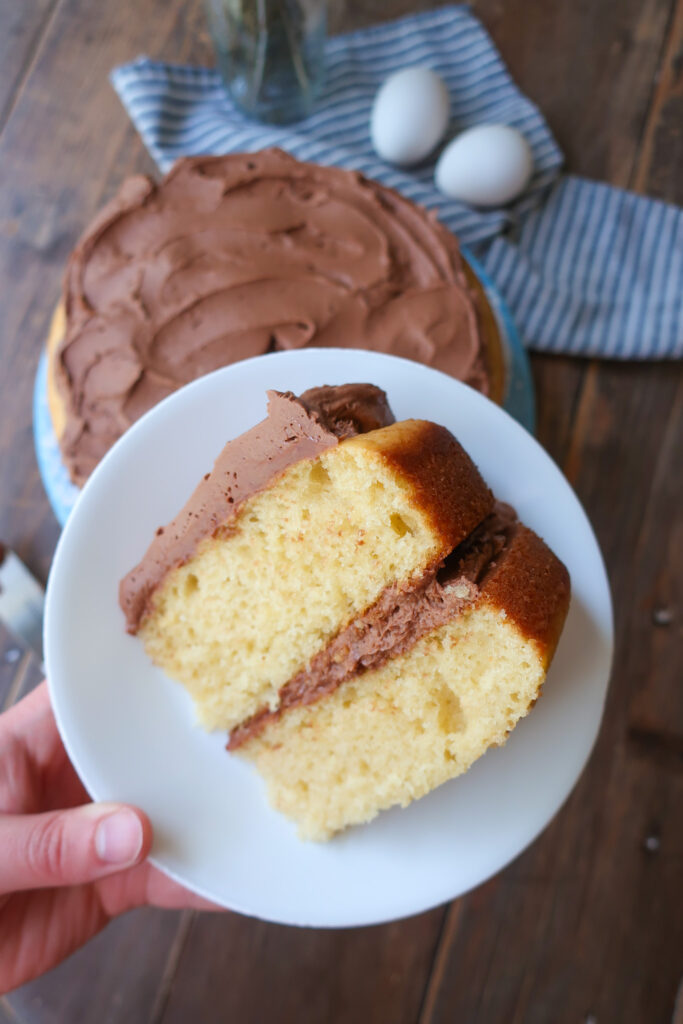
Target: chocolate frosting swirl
(238, 255)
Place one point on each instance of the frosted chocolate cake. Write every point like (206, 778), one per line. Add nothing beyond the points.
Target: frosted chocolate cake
(239, 255)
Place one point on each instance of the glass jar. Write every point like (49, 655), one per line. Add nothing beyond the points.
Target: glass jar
(271, 54)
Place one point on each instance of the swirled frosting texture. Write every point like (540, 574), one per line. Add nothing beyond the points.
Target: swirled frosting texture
(235, 256)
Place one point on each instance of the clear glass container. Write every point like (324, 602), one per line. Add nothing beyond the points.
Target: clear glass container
(271, 54)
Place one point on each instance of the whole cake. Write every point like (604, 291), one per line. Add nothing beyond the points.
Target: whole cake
(235, 256)
(344, 596)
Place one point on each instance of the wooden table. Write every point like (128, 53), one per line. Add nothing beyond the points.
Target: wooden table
(586, 925)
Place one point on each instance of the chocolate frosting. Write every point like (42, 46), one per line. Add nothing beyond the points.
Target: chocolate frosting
(238, 255)
(294, 429)
(398, 619)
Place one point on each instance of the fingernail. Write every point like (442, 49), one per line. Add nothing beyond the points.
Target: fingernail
(118, 837)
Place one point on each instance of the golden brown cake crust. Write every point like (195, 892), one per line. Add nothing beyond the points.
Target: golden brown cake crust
(55, 401)
(447, 485)
(531, 585)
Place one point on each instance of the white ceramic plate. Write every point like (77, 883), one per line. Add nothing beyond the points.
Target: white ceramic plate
(129, 730)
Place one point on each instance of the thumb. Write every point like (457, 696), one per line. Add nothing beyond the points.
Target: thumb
(70, 847)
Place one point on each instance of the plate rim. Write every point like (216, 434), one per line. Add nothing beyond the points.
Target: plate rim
(606, 629)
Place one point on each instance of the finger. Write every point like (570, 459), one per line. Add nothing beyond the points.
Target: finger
(39, 929)
(70, 847)
(34, 705)
(21, 718)
(147, 886)
(164, 892)
(32, 722)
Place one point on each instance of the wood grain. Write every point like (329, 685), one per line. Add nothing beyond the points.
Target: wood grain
(590, 67)
(475, 977)
(592, 902)
(7, 1015)
(52, 180)
(584, 925)
(114, 978)
(63, 150)
(558, 383)
(654, 618)
(661, 155)
(258, 972)
(23, 25)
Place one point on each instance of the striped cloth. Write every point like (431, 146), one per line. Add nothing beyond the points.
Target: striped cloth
(585, 268)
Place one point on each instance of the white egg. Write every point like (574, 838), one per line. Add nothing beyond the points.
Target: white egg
(409, 116)
(486, 166)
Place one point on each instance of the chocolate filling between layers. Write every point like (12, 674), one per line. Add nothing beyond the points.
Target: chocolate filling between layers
(401, 616)
(294, 429)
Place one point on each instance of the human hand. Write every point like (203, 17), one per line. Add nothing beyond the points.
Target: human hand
(67, 866)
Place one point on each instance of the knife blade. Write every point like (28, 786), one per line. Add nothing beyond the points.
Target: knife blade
(22, 601)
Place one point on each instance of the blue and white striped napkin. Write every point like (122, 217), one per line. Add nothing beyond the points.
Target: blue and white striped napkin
(585, 268)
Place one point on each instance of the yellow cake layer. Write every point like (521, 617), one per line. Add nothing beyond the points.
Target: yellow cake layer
(260, 598)
(391, 735)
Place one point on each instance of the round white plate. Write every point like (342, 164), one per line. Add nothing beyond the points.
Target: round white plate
(129, 730)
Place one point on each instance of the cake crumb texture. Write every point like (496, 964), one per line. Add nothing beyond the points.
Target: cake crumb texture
(390, 736)
(266, 592)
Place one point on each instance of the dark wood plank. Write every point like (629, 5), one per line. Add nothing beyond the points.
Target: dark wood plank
(583, 926)
(22, 27)
(590, 67)
(52, 183)
(267, 972)
(654, 620)
(114, 978)
(530, 905)
(62, 152)
(558, 383)
(661, 158)
(348, 15)
(7, 1014)
(594, 902)
(504, 953)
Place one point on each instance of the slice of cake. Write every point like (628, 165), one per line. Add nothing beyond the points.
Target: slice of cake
(304, 523)
(415, 691)
(342, 594)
